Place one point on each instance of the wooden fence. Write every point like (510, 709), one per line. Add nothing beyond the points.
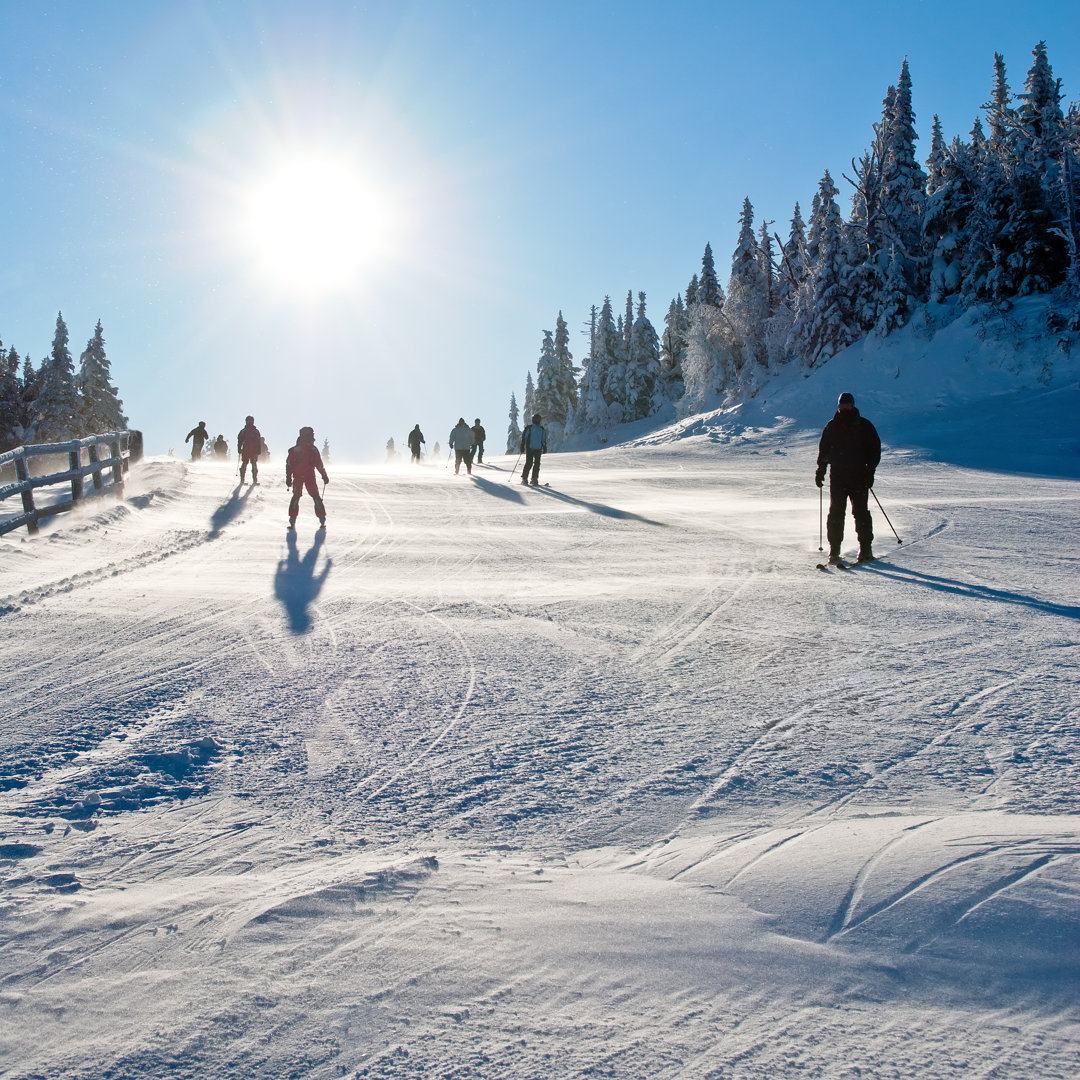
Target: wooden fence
(66, 490)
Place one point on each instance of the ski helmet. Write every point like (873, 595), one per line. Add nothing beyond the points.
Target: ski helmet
(249, 419)
(846, 399)
(536, 418)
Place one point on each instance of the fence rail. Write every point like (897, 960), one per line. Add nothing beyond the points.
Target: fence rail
(84, 459)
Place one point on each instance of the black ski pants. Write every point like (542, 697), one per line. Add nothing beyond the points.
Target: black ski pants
(840, 494)
(532, 461)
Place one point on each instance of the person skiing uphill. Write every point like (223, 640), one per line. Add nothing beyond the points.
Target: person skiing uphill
(461, 442)
(301, 464)
(198, 435)
(533, 446)
(851, 449)
(416, 438)
(479, 435)
(248, 447)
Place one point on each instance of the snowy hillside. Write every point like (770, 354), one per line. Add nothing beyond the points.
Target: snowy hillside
(601, 779)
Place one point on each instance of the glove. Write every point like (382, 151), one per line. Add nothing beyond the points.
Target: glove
(288, 482)
(819, 476)
(326, 479)
(869, 478)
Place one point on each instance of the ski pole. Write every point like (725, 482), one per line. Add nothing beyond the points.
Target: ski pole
(820, 511)
(513, 471)
(885, 516)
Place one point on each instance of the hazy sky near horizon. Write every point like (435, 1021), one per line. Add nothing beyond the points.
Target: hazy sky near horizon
(362, 216)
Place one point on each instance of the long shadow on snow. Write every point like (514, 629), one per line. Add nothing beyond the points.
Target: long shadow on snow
(227, 511)
(975, 592)
(501, 491)
(600, 508)
(296, 584)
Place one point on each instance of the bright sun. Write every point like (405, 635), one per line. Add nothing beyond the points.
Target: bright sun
(315, 225)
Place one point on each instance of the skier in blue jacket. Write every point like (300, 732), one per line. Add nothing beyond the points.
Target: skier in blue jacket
(533, 446)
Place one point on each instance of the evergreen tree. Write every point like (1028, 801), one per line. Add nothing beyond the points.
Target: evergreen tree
(673, 352)
(692, 292)
(58, 405)
(10, 404)
(948, 209)
(530, 396)
(747, 304)
(903, 189)
(793, 262)
(102, 410)
(768, 267)
(643, 367)
(29, 392)
(513, 431)
(708, 289)
(546, 400)
(567, 374)
(935, 163)
(823, 321)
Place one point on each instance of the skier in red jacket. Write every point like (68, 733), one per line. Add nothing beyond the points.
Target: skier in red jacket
(303, 462)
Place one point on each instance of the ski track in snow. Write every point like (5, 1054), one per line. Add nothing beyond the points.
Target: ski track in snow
(599, 780)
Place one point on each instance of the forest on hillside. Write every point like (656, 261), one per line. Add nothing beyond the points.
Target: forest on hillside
(986, 219)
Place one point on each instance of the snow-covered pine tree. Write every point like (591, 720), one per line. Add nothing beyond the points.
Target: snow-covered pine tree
(609, 360)
(102, 410)
(530, 396)
(768, 266)
(29, 391)
(546, 399)
(567, 374)
(643, 367)
(747, 304)
(692, 292)
(513, 431)
(672, 353)
(935, 163)
(58, 405)
(10, 410)
(326, 451)
(903, 190)
(945, 223)
(708, 288)
(823, 321)
(1040, 224)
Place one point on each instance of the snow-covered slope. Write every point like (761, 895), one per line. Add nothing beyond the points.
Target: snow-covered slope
(603, 779)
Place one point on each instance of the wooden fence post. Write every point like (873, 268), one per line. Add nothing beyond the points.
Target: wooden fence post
(23, 473)
(75, 464)
(92, 451)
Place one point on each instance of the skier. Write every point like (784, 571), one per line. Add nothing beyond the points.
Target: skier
(248, 447)
(416, 437)
(301, 464)
(221, 447)
(479, 435)
(851, 446)
(533, 446)
(461, 442)
(198, 435)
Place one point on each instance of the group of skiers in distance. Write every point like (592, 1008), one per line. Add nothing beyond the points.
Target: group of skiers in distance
(849, 448)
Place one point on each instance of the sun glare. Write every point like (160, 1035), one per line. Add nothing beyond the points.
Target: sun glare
(315, 225)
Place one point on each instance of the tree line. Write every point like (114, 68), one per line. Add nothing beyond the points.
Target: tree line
(990, 218)
(54, 402)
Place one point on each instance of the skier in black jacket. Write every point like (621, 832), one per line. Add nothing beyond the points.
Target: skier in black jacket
(850, 445)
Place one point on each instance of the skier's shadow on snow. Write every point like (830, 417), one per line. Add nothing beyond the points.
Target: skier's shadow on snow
(509, 491)
(975, 592)
(227, 511)
(500, 491)
(600, 508)
(296, 584)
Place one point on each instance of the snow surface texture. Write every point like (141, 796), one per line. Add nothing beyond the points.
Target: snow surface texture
(597, 780)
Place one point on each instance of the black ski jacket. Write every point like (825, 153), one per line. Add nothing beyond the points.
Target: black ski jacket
(851, 445)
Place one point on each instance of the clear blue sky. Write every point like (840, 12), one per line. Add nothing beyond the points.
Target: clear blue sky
(501, 161)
